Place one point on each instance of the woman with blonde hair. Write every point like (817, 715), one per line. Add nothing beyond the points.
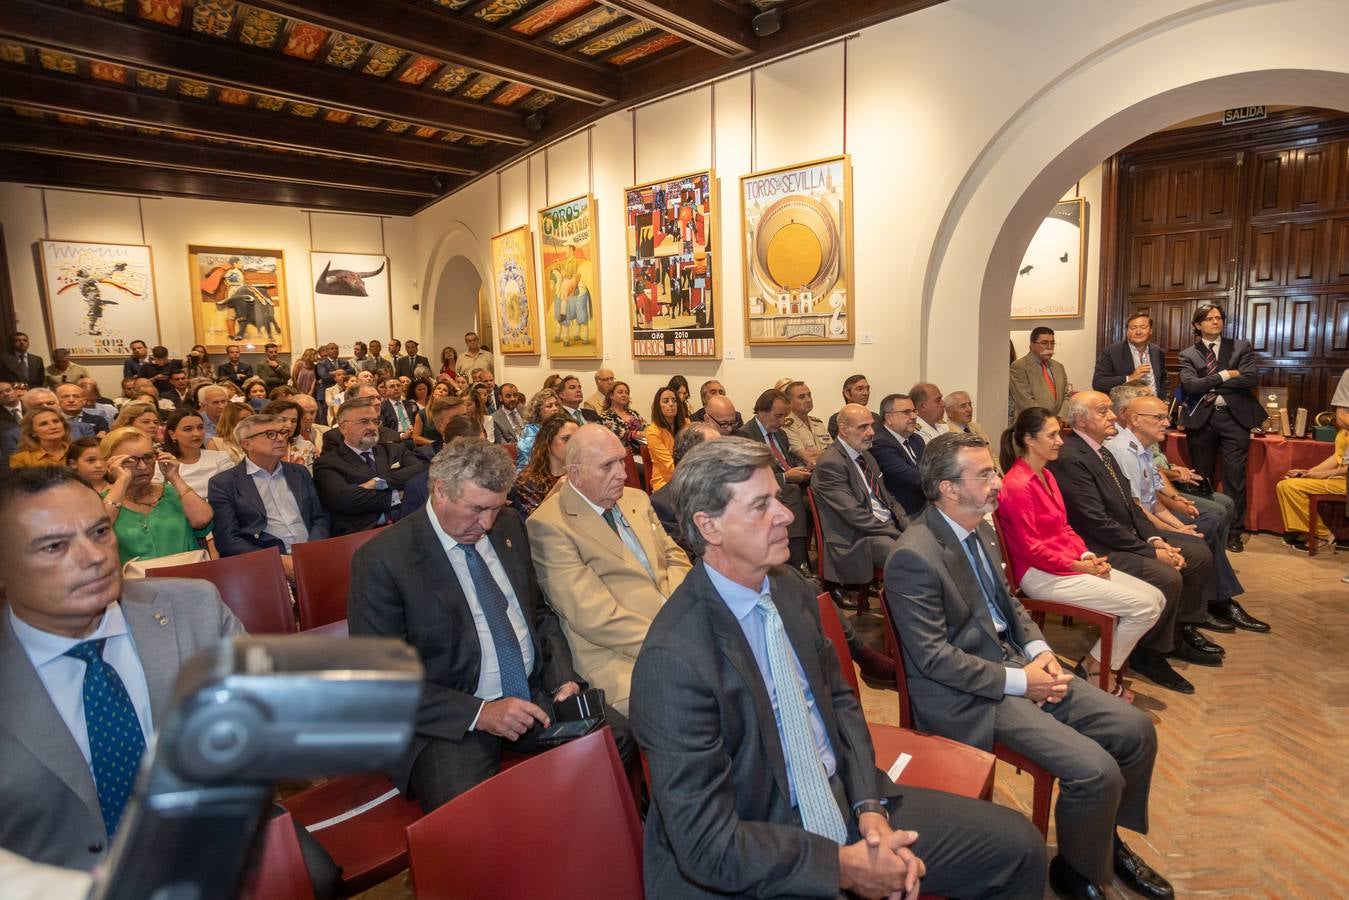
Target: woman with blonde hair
(150, 520)
(44, 437)
(144, 417)
(541, 406)
(224, 430)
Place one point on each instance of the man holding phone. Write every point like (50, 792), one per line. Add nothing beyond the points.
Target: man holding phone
(456, 581)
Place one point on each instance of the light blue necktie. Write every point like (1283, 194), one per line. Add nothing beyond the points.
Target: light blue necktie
(814, 798)
(511, 662)
(116, 741)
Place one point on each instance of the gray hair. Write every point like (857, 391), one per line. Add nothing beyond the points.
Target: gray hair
(955, 398)
(253, 421)
(466, 459)
(703, 482)
(208, 389)
(1076, 408)
(941, 460)
(691, 435)
(35, 397)
(1121, 395)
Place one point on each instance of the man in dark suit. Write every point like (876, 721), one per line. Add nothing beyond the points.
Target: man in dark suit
(706, 392)
(232, 369)
(856, 389)
(509, 420)
(19, 367)
(770, 411)
(395, 413)
(440, 578)
(1134, 359)
(407, 364)
(332, 438)
(763, 776)
(361, 480)
(70, 399)
(572, 397)
(1218, 377)
(265, 501)
(980, 671)
(1102, 512)
(11, 407)
(897, 447)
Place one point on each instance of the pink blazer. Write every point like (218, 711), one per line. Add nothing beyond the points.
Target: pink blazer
(1034, 524)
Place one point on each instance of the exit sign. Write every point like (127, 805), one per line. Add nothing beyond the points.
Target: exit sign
(1243, 114)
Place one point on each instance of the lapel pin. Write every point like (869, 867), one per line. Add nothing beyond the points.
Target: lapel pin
(161, 618)
(508, 542)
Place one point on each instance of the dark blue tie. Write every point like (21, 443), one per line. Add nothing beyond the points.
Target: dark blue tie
(985, 580)
(115, 738)
(514, 679)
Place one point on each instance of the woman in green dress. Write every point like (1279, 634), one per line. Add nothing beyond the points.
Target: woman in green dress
(151, 520)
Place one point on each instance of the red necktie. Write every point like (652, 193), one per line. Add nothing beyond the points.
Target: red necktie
(1210, 360)
(1049, 380)
(777, 452)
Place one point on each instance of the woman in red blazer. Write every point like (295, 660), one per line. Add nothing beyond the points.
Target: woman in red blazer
(1048, 559)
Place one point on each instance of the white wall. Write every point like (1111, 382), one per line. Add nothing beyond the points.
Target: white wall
(169, 225)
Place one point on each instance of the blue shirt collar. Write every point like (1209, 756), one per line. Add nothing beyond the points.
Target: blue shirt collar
(740, 600)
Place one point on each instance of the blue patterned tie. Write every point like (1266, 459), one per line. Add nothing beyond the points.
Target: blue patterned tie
(115, 738)
(986, 583)
(511, 662)
(814, 798)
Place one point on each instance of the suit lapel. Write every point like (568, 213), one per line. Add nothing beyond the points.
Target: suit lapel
(509, 557)
(958, 565)
(248, 492)
(644, 537)
(33, 720)
(592, 526)
(156, 637)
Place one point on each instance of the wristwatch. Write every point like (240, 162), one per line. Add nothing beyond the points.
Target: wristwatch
(869, 806)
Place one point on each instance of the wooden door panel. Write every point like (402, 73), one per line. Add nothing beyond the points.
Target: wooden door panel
(1262, 324)
(1273, 177)
(1185, 194)
(1181, 262)
(1307, 251)
(1265, 250)
(1173, 332)
(1145, 268)
(1339, 251)
(1312, 170)
(1299, 317)
(1336, 328)
(1215, 260)
(1149, 197)
(1220, 190)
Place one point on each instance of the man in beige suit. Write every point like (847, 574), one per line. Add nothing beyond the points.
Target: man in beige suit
(960, 415)
(604, 561)
(1037, 379)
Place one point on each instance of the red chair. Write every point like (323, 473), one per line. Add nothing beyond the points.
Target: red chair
(323, 577)
(336, 629)
(634, 479)
(863, 592)
(646, 469)
(1330, 509)
(280, 873)
(937, 763)
(361, 820)
(1041, 777)
(253, 585)
(512, 449)
(492, 842)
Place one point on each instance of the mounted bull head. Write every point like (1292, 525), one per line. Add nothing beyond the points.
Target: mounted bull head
(344, 282)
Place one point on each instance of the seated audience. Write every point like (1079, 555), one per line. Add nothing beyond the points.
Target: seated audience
(255, 392)
(856, 389)
(604, 383)
(542, 406)
(617, 414)
(479, 397)
(930, 409)
(570, 394)
(360, 391)
(509, 419)
(807, 435)
(298, 450)
(960, 415)
(266, 501)
(720, 413)
(85, 458)
(680, 385)
(360, 479)
(230, 416)
(158, 368)
(770, 411)
(453, 426)
(151, 519)
(897, 447)
(175, 391)
(424, 432)
(1104, 515)
(144, 417)
(489, 686)
(980, 671)
(70, 400)
(309, 428)
(72, 621)
(603, 561)
(396, 413)
(232, 369)
(421, 392)
(211, 402)
(690, 436)
(1049, 560)
(711, 389)
(775, 791)
(1298, 486)
(184, 435)
(95, 403)
(667, 417)
(547, 461)
(44, 436)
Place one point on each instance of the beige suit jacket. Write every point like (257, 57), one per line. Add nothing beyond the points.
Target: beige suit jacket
(1026, 381)
(604, 596)
(975, 429)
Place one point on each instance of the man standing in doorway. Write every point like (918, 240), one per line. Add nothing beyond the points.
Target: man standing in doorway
(1038, 379)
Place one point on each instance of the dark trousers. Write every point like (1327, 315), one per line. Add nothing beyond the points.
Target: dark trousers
(1187, 591)
(1214, 527)
(445, 769)
(1223, 437)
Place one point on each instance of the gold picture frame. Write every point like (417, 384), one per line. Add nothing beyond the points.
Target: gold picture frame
(513, 293)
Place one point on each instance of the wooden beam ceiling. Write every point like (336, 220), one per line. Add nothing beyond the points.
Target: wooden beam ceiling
(442, 37)
(119, 42)
(705, 23)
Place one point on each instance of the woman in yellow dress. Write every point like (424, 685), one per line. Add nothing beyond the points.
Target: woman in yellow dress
(1298, 486)
(43, 439)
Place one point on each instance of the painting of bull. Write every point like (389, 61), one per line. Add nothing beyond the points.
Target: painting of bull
(344, 282)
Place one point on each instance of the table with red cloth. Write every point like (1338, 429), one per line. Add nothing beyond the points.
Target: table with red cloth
(1270, 456)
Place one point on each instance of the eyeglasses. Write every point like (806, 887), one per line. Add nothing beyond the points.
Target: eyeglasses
(142, 462)
(722, 425)
(363, 423)
(1152, 415)
(987, 477)
(271, 434)
(1044, 343)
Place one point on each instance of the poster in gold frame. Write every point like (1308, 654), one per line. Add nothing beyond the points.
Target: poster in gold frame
(569, 260)
(513, 292)
(239, 297)
(796, 228)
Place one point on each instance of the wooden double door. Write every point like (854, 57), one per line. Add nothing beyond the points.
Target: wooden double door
(1255, 219)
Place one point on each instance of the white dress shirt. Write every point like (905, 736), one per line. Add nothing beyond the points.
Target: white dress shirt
(63, 676)
(489, 672)
(284, 520)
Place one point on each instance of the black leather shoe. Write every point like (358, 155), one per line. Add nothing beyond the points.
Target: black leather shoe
(842, 600)
(1191, 635)
(1138, 876)
(1067, 882)
(1230, 611)
(1234, 544)
(1212, 624)
(1195, 655)
(1155, 668)
(878, 670)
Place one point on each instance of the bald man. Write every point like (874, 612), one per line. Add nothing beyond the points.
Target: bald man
(604, 561)
(604, 383)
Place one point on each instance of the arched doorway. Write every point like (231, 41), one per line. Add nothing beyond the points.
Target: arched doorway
(1119, 94)
(452, 285)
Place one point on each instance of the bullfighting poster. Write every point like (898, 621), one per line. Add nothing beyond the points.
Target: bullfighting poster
(570, 255)
(239, 297)
(351, 298)
(797, 223)
(670, 268)
(100, 298)
(513, 284)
